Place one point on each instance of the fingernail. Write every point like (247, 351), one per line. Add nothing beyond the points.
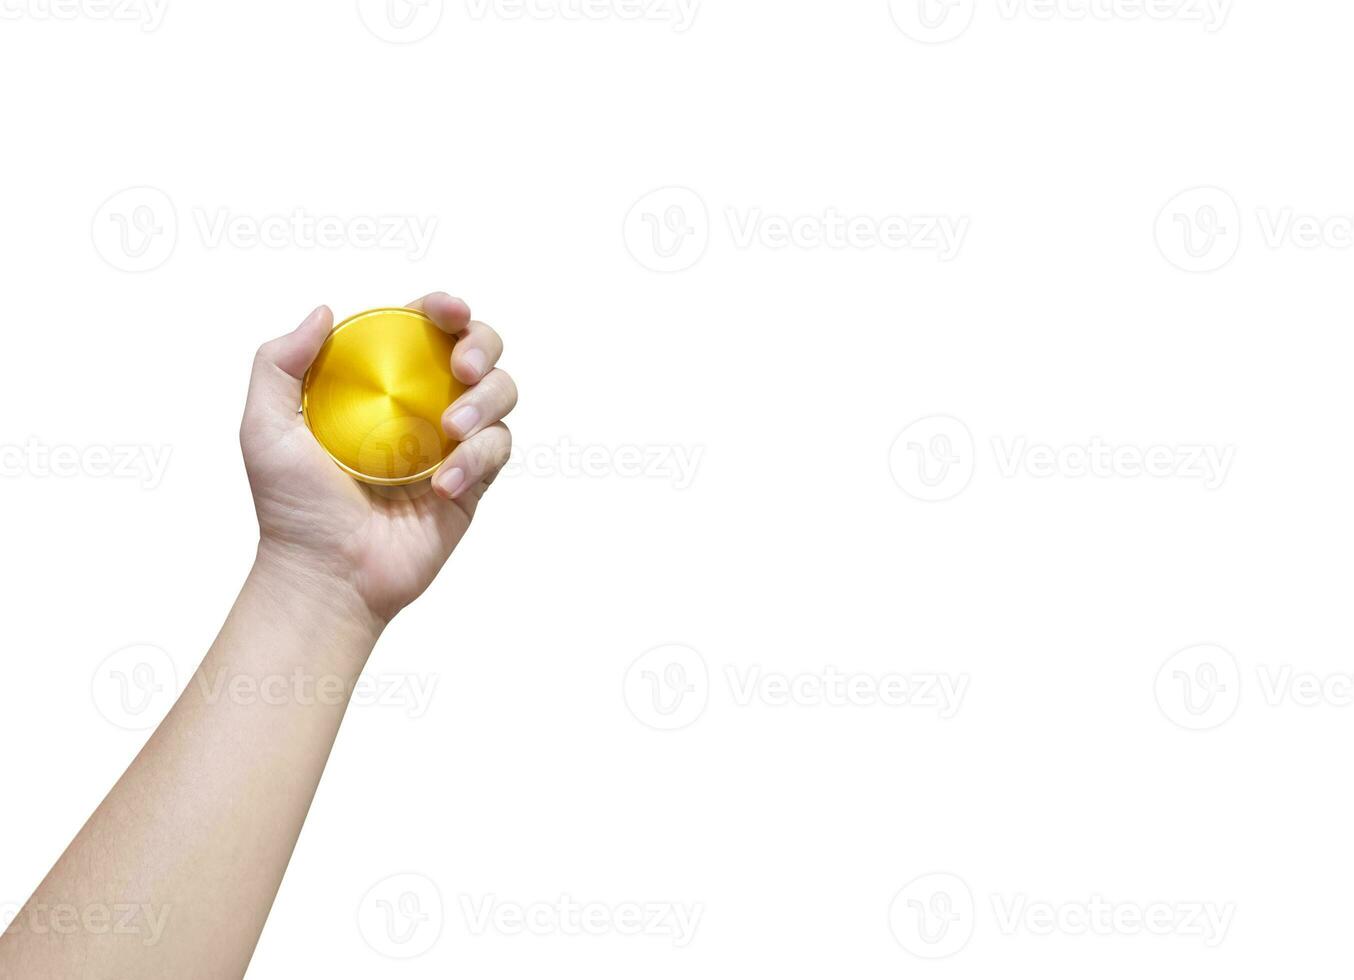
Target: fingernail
(451, 481)
(463, 419)
(314, 315)
(477, 362)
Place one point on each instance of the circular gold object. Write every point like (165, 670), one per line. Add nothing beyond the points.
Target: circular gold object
(375, 395)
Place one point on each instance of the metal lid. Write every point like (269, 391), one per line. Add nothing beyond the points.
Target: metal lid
(375, 395)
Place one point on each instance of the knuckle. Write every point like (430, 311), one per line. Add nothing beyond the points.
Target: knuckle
(504, 389)
(504, 451)
(470, 456)
(488, 332)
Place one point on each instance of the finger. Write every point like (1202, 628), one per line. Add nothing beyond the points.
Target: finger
(475, 461)
(448, 312)
(476, 352)
(481, 406)
(279, 366)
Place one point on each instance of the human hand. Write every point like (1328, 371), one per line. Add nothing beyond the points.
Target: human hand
(380, 546)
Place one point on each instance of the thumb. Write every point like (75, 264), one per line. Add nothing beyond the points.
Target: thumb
(279, 366)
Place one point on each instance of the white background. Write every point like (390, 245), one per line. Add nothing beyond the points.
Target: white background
(1072, 312)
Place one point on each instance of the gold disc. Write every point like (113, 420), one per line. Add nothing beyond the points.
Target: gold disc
(375, 395)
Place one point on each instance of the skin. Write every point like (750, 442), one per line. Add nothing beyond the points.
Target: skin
(175, 873)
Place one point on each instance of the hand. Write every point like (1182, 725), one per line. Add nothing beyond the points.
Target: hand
(381, 546)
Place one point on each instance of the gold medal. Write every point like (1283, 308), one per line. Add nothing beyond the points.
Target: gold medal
(375, 395)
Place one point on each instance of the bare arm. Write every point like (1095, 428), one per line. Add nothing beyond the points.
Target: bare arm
(174, 874)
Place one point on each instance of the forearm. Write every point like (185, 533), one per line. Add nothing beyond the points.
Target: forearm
(198, 831)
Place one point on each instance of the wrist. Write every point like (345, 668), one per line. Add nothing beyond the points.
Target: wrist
(311, 595)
